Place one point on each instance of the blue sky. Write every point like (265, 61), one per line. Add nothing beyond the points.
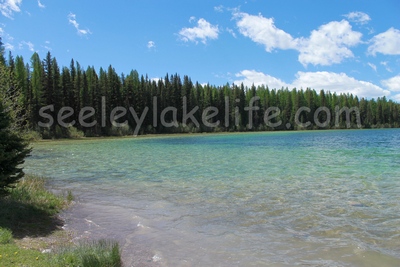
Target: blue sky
(340, 46)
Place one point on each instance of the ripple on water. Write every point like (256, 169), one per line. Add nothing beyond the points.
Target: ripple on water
(329, 198)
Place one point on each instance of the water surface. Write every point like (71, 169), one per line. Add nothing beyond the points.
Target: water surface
(315, 198)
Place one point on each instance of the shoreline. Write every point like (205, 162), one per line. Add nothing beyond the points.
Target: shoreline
(81, 223)
(172, 135)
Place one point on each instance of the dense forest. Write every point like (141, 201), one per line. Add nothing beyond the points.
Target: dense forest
(66, 101)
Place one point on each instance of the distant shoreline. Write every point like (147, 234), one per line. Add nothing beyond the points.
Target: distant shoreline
(169, 135)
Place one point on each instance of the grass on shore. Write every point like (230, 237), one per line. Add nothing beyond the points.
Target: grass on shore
(95, 253)
(29, 224)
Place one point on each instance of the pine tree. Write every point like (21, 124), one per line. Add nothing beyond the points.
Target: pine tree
(13, 149)
(37, 87)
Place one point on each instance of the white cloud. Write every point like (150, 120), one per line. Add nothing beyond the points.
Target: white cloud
(373, 66)
(329, 44)
(151, 44)
(192, 18)
(329, 81)
(8, 7)
(387, 43)
(203, 31)
(72, 20)
(396, 97)
(40, 4)
(30, 46)
(358, 17)
(263, 31)
(219, 8)
(46, 46)
(6, 39)
(339, 83)
(231, 32)
(393, 84)
(250, 77)
(8, 46)
(155, 79)
(385, 63)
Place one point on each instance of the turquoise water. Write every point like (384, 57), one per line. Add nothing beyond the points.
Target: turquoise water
(315, 198)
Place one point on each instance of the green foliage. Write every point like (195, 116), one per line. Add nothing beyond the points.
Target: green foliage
(13, 150)
(44, 83)
(32, 191)
(101, 253)
(5, 236)
(30, 210)
(31, 135)
(120, 131)
(70, 196)
(75, 133)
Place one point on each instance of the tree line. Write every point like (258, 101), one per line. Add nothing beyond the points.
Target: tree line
(41, 89)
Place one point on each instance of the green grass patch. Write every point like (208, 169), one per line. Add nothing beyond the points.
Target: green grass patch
(13, 255)
(101, 253)
(30, 209)
(5, 236)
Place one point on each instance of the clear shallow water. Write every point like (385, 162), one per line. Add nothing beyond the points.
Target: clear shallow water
(319, 198)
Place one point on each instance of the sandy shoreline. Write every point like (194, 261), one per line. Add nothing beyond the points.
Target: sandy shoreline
(171, 135)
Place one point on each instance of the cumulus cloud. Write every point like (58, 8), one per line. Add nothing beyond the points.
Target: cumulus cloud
(358, 17)
(329, 44)
(339, 83)
(250, 77)
(393, 84)
(8, 7)
(387, 43)
(203, 31)
(72, 20)
(328, 81)
(156, 79)
(396, 97)
(263, 31)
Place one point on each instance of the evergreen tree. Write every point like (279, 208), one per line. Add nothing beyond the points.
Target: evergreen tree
(13, 150)
(2, 59)
(37, 88)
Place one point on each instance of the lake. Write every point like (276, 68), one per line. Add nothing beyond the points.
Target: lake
(313, 198)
